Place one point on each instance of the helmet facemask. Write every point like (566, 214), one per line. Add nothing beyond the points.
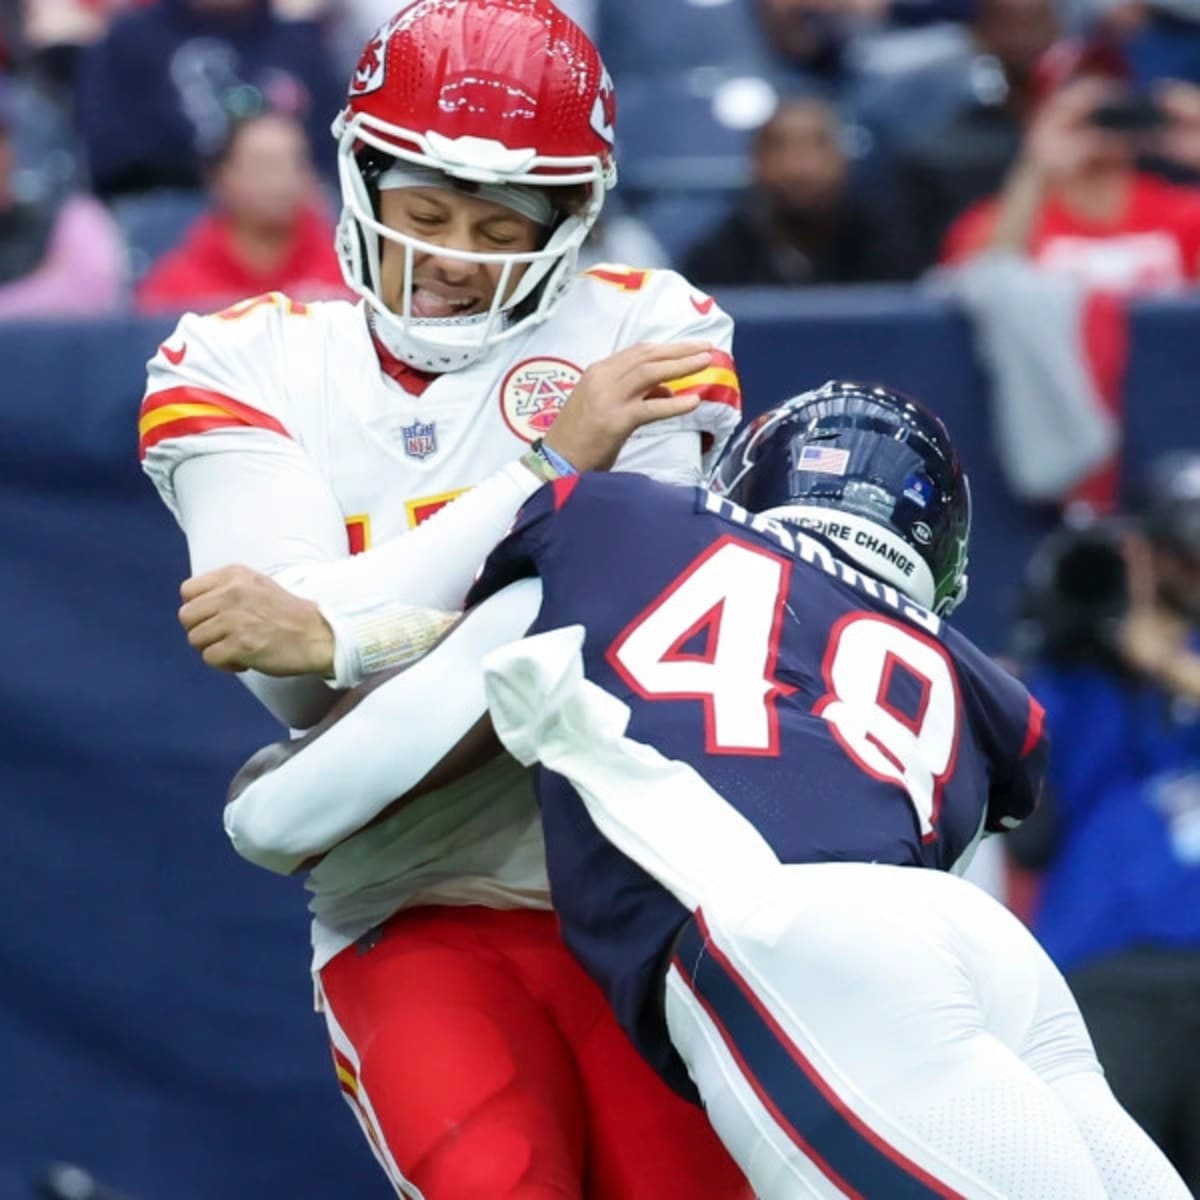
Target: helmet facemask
(451, 343)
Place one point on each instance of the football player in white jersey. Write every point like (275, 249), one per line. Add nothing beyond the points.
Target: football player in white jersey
(366, 457)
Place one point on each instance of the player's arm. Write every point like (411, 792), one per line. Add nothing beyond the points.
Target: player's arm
(358, 609)
(217, 439)
(1011, 725)
(392, 741)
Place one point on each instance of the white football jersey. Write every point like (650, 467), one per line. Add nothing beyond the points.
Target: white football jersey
(274, 386)
(393, 450)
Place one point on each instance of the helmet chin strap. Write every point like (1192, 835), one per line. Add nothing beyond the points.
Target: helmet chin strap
(446, 355)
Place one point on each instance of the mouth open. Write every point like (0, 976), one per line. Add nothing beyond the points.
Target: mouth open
(428, 304)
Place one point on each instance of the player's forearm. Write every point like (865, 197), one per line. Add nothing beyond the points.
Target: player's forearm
(298, 702)
(431, 566)
(380, 750)
(369, 600)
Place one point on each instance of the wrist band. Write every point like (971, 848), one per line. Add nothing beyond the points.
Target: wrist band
(555, 459)
(545, 464)
(382, 636)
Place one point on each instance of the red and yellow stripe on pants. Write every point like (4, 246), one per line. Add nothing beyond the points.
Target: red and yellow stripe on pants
(347, 1067)
(179, 411)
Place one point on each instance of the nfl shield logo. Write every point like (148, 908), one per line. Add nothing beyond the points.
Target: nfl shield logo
(420, 440)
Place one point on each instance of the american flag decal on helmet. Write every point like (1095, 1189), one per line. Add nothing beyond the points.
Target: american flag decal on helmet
(829, 459)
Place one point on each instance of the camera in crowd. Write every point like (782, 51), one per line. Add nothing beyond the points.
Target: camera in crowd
(1077, 586)
(1076, 593)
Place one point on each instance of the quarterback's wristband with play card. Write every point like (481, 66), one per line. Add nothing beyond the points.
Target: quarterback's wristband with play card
(381, 636)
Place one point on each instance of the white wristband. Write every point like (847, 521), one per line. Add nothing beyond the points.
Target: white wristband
(381, 636)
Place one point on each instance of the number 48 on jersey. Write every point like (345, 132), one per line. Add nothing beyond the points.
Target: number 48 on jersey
(713, 636)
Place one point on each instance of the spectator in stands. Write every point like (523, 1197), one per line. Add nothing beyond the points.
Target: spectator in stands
(152, 95)
(1075, 200)
(813, 38)
(798, 223)
(267, 230)
(58, 256)
(1162, 36)
(1116, 664)
(947, 134)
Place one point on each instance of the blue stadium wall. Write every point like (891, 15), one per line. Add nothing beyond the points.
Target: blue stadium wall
(155, 1017)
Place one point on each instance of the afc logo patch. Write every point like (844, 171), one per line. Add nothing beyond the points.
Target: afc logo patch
(533, 392)
(419, 439)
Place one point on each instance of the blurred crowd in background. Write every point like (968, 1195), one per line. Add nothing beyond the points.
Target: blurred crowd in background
(176, 153)
(1040, 159)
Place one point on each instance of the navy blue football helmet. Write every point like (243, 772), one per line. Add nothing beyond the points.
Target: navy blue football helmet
(873, 472)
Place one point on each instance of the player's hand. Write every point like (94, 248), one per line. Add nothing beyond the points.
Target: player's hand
(621, 393)
(242, 620)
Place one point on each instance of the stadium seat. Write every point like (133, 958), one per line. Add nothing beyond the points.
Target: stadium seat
(688, 131)
(154, 223)
(678, 220)
(643, 36)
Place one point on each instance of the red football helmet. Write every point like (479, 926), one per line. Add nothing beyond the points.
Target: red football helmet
(507, 92)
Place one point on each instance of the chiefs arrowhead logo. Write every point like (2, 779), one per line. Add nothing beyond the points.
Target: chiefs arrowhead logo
(604, 110)
(368, 75)
(702, 306)
(174, 357)
(372, 63)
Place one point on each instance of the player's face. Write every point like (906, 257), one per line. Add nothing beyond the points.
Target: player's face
(444, 286)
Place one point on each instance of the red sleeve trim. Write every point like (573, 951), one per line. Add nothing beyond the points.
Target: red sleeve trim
(179, 411)
(716, 393)
(1033, 731)
(562, 489)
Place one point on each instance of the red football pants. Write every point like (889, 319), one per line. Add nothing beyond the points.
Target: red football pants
(484, 1064)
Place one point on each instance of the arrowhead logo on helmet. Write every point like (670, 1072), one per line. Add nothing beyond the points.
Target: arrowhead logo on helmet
(372, 63)
(604, 110)
(368, 75)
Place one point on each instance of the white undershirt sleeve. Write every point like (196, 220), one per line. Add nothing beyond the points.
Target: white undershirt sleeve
(432, 566)
(271, 509)
(380, 749)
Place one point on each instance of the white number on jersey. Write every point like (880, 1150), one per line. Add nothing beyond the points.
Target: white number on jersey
(916, 750)
(731, 601)
(713, 636)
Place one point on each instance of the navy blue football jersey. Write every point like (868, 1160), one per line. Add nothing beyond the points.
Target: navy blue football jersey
(844, 721)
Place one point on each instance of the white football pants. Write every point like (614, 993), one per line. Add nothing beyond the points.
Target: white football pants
(854, 1029)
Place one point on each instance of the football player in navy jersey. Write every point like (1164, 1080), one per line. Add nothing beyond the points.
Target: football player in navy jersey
(753, 728)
